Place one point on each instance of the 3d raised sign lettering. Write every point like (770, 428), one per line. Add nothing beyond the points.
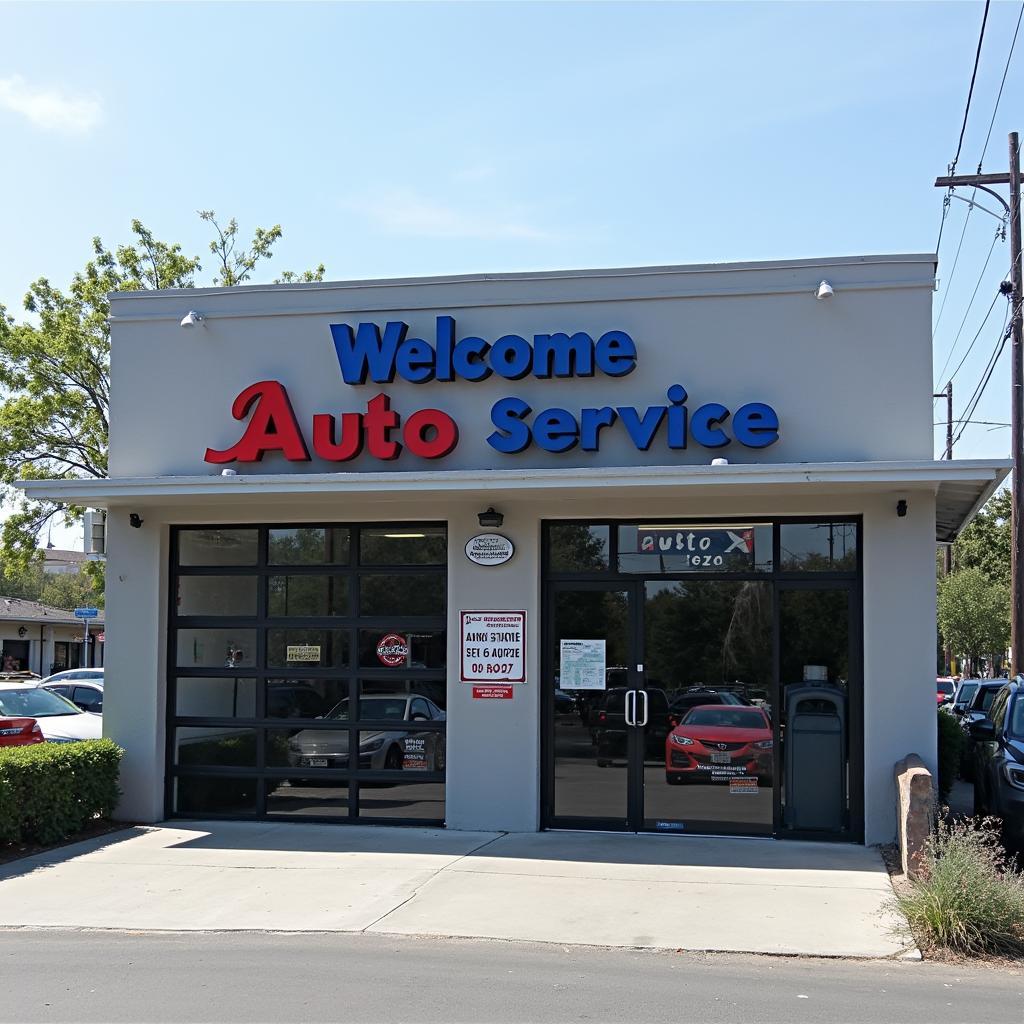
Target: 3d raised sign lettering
(368, 353)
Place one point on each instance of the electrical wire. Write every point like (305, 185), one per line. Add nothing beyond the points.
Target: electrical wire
(952, 169)
(970, 305)
(995, 299)
(995, 110)
(956, 260)
(986, 376)
(970, 91)
(974, 295)
(983, 423)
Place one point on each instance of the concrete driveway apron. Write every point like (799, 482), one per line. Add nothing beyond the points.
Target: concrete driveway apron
(671, 892)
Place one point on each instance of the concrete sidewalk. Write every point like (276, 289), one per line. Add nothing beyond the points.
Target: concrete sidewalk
(673, 892)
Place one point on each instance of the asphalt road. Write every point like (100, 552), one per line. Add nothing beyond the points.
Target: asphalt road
(117, 976)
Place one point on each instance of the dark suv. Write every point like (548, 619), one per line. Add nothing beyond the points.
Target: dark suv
(608, 724)
(977, 710)
(998, 742)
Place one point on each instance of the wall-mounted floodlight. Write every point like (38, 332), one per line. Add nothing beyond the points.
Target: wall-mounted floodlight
(191, 319)
(825, 291)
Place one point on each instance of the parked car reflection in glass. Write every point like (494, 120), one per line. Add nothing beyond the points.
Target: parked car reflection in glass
(716, 742)
(387, 748)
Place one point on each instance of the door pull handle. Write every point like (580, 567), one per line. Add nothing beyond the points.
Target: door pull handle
(630, 705)
(643, 693)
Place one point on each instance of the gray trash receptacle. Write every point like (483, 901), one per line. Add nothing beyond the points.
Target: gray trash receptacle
(815, 758)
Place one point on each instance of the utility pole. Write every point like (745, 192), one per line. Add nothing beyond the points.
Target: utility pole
(982, 181)
(947, 554)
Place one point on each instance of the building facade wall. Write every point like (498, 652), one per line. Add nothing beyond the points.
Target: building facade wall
(726, 335)
(849, 379)
(494, 747)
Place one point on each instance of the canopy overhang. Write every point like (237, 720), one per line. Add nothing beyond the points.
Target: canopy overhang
(960, 487)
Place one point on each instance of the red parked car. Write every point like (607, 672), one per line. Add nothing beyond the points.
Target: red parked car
(716, 742)
(19, 732)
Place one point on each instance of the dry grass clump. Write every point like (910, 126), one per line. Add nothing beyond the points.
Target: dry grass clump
(972, 901)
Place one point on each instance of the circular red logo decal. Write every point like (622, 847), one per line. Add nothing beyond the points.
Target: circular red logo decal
(393, 649)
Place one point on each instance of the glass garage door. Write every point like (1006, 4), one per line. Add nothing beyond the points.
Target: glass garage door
(306, 673)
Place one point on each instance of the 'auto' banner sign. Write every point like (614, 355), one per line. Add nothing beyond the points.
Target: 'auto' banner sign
(708, 548)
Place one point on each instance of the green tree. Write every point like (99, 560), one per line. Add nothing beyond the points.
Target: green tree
(55, 372)
(985, 544)
(60, 590)
(974, 614)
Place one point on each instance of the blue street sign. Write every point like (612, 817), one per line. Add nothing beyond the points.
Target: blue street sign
(86, 613)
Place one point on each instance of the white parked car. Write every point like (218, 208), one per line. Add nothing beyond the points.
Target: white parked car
(83, 693)
(73, 675)
(59, 719)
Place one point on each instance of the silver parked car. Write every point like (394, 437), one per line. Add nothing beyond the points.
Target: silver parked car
(383, 748)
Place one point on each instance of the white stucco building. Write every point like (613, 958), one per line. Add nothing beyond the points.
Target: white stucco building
(743, 646)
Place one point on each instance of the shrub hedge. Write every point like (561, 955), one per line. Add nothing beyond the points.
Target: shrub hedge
(50, 791)
(951, 743)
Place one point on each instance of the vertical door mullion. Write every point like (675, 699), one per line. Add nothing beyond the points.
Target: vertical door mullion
(548, 660)
(636, 735)
(776, 703)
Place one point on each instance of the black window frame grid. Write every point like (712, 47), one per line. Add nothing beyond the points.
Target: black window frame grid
(850, 580)
(350, 673)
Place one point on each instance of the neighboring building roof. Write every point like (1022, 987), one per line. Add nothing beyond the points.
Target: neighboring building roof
(16, 609)
(63, 555)
(57, 561)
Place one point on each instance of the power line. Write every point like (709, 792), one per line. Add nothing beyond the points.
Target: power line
(986, 376)
(952, 168)
(974, 295)
(970, 91)
(963, 359)
(956, 260)
(982, 423)
(972, 403)
(995, 110)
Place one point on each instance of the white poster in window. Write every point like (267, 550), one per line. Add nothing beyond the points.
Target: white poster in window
(493, 647)
(583, 665)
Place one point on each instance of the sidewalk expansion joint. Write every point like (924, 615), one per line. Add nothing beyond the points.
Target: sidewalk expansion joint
(427, 881)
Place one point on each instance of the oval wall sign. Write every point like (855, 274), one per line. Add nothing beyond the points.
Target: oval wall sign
(489, 549)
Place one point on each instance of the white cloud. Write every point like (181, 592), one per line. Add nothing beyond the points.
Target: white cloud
(49, 108)
(473, 174)
(403, 212)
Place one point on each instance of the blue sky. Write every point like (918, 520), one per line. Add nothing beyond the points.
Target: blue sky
(394, 139)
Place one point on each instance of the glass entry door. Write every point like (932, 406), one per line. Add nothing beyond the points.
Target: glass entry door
(592, 706)
(709, 763)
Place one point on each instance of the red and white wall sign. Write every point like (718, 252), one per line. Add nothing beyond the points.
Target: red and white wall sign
(499, 692)
(493, 647)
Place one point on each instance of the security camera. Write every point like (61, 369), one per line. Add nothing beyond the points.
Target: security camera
(191, 319)
(824, 292)
(135, 520)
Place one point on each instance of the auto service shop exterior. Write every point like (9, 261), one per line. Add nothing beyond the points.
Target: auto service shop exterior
(709, 606)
